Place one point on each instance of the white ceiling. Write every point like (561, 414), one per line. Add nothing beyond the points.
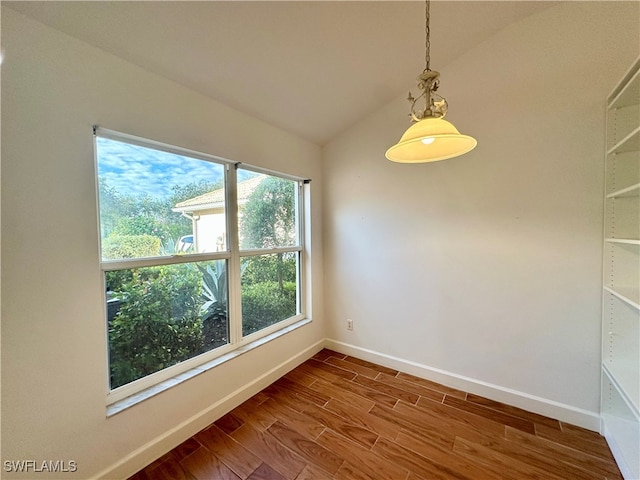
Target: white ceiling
(310, 67)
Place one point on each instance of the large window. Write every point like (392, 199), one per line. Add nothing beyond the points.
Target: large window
(199, 256)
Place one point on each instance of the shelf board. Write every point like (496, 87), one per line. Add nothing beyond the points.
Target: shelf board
(628, 91)
(631, 191)
(630, 143)
(628, 241)
(628, 295)
(624, 378)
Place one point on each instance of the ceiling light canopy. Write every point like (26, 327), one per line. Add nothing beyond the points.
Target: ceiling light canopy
(430, 138)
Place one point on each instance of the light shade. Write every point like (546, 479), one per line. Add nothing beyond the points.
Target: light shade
(429, 140)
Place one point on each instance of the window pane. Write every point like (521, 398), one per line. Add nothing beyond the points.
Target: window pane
(269, 290)
(155, 203)
(160, 316)
(267, 214)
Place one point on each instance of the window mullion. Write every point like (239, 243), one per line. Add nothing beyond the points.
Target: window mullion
(269, 251)
(112, 265)
(234, 310)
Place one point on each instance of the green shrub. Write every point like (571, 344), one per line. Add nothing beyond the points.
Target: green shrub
(158, 324)
(265, 303)
(130, 246)
(265, 268)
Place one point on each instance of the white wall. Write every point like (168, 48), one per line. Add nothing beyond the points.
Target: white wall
(54, 366)
(486, 266)
(484, 271)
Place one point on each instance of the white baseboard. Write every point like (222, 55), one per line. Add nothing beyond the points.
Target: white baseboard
(141, 457)
(532, 403)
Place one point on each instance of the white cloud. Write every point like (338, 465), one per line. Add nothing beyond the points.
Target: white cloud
(135, 170)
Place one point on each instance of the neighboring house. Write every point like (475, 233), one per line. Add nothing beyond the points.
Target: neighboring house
(207, 215)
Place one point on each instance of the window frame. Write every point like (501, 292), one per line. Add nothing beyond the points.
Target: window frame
(233, 255)
(300, 248)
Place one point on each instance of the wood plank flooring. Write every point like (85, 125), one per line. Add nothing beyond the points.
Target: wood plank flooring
(336, 417)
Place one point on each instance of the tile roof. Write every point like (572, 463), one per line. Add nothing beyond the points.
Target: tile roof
(215, 198)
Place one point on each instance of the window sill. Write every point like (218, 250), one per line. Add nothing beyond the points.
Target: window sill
(143, 395)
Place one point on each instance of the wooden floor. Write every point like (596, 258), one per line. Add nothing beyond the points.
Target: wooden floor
(338, 417)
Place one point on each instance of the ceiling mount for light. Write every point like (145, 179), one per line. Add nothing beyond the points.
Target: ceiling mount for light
(431, 137)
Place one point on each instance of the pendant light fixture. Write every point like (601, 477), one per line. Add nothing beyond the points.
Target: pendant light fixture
(430, 138)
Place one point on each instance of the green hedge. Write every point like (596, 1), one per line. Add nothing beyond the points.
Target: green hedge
(130, 246)
(264, 304)
(161, 320)
(158, 324)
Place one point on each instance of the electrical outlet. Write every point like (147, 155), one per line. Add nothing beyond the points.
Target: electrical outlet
(349, 324)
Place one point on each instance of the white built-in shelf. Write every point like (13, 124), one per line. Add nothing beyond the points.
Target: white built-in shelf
(630, 143)
(628, 91)
(631, 191)
(621, 309)
(628, 295)
(626, 241)
(624, 377)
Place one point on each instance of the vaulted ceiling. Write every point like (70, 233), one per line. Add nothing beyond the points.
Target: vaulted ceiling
(310, 67)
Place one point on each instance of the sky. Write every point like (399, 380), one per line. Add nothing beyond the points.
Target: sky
(135, 170)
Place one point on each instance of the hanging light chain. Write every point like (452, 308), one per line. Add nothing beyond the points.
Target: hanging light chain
(427, 42)
(428, 81)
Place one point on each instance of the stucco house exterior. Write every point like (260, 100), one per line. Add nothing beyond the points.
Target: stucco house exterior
(208, 216)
